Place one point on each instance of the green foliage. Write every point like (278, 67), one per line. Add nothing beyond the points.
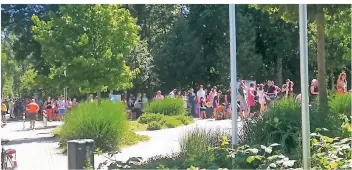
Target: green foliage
(146, 118)
(340, 104)
(159, 121)
(154, 125)
(28, 81)
(106, 124)
(196, 141)
(90, 43)
(167, 106)
(132, 138)
(331, 153)
(136, 126)
(265, 157)
(186, 120)
(172, 122)
(281, 124)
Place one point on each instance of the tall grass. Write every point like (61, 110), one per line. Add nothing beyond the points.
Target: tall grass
(167, 106)
(106, 124)
(195, 142)
(340, 104)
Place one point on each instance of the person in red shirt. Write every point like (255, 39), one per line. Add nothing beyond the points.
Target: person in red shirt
(32, 109)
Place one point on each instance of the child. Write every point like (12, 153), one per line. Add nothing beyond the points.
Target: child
(203, 108)
(220, 112)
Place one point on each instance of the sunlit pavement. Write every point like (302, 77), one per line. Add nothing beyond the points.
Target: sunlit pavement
(38, 149)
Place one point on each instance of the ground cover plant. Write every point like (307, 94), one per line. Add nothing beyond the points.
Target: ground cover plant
(160, 121)
(167, 106)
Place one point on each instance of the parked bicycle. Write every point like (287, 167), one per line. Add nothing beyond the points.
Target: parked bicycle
(8, 157)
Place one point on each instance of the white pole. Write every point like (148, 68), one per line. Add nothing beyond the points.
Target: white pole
(65, 89)
(233, 73)
(304, 84)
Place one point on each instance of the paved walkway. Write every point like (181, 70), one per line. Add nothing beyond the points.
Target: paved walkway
(38, 149)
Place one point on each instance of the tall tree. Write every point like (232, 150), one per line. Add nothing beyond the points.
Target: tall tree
(90, 43)
(317, 14)
(16, 19)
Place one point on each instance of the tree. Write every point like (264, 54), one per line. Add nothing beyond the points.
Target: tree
(90, 43)
(16, 19)
(141, 59)
(319, 13)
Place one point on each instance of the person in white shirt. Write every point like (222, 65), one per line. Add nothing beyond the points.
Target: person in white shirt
(172, 94)
(261, 95)
(200, 94)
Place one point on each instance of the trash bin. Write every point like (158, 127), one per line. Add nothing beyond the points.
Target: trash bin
(78, 151)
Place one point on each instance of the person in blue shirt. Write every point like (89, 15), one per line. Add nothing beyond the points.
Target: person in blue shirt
(111, 98)
(192, 101)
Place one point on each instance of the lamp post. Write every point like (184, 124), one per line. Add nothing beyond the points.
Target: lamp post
(304, 82)
(233, 73)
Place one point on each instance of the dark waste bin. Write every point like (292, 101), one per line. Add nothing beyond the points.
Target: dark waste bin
(78, 151)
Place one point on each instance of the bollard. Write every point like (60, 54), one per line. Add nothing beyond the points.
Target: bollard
(24, 119)
(78, 151)
(45, 118)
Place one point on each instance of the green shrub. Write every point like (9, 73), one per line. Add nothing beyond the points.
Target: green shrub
(164, 121)
(281, 124)
(172, 122)
(186, 120)
(106, 124)
(340, 104)
(146, 118)
(167, 106)
(154, 125)
(136, 126)
(331, 153)
(196, 141)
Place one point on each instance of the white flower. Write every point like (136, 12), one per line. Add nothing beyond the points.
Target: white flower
(279, 161)
(274, 144)
(272, 165)
(288, 163)
(313, 134)
(254, 150)
(282, 156)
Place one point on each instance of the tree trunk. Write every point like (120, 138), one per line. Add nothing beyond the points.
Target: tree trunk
(278, 70)
(332, 80)
(2, 85)
(320, 21)
(99, 97)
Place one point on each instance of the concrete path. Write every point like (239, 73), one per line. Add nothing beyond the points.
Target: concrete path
(38, 149)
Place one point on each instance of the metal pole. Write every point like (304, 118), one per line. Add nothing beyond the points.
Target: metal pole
(233, 73)
(65, 89)
(303, 39)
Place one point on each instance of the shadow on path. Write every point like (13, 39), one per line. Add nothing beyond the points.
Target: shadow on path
(39, 128)
(47, 139)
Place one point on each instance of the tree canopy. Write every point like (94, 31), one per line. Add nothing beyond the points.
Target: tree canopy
(145, 47)
(89, 43)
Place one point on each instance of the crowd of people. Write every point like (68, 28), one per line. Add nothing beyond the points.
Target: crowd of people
(251, 101)
(51, 109)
